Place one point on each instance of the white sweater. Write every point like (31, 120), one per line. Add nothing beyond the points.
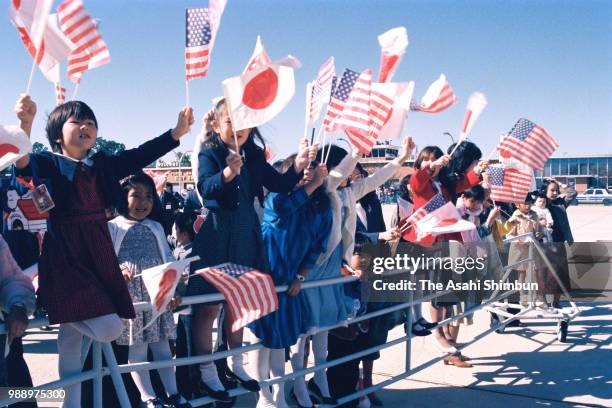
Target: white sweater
(119, 226)
(344, 229)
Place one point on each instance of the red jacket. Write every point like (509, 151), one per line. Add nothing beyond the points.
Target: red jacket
(423, 189)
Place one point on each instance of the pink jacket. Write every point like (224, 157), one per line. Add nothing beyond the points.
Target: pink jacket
(15, 286)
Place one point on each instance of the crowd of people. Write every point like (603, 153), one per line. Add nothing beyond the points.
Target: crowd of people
(302, 219)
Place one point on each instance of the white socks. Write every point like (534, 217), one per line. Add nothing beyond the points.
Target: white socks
(277, 366)
(319, 349)
(297, 362)
(236, 364)
(210, 377)
(261, 362)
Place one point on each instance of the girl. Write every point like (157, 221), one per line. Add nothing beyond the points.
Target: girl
(329, 305)
(140, 243)
(229, 179)
(295, 230)
(81, 285)
(431, 176)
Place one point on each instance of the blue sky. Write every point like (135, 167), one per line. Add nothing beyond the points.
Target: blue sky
(548, 61)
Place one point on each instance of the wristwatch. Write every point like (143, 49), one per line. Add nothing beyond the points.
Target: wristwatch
(300, 278)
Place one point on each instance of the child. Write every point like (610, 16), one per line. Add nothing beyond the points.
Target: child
(295, 229)
(229, 179)
(139, 242)
(544, 216)
(524, 220)
(329, 305)
(81, 285)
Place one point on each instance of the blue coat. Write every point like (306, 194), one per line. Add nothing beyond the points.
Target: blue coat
(217, 194)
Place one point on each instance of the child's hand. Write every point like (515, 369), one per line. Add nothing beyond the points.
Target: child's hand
(16, 322)
(208, 119)
(320, 174)
(538, 235)
(175, 302)
(389, 235)
(127, 274)
(493, 215)
(407, 148)
(481, 167)
(439, 163)
(234, 162)
(294, 288)
(183, 124)
(302, 159)
(25, 108)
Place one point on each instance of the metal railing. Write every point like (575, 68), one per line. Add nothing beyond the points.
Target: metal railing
(115, 370)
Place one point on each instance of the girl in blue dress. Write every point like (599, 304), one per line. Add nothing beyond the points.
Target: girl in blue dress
(229, 179)
(295, 228)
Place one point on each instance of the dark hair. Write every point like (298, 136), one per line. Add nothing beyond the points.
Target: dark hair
(335, 156)
(360, 244)
(213, 139)
(184, 223)
(404, 189)
(143, 179)
(319, 197)
(361, 170)
(443, 175)
(546, 183)
(60, 115)
(530, 198)
(476, 192)
(464, 156)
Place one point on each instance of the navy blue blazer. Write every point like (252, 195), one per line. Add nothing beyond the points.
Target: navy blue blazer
(217, 194)
(57, 172)
(374, 216)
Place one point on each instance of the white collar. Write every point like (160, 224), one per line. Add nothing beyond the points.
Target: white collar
(86, 161)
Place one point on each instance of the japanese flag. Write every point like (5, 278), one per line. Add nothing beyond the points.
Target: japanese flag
(14, 144)
(394, 124)
(257, 96)
(161, 282)
(259, 57)
(475, 106)
(393, 44)
(443, 220)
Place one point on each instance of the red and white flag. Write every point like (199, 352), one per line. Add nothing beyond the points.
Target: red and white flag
(14, 144)
(528, 143)
(402, 92)
(60, 94)
(321, 89)
(91, 51)
(259, 95)
(509, 185)
(201, 30)
(161, 282)
(259, 57)
(439, 97)
(55, 46)
(158, 178)
(249, 294)
(366, 111)
(443, 220)
(393, 45)
(34, 13)
(475, 106)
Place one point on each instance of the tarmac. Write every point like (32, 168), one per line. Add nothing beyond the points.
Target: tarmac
(523, 367)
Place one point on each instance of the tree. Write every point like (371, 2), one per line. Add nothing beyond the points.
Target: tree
(109, 147)
(182, 159)
(39, 147)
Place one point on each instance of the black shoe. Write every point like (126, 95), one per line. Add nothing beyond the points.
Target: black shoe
(420, 333)
(514, 323)
(426, 324)
(249, 385)
(295, 400)
(175, 401)
(152, 403)
(314, 389)
(222, 395)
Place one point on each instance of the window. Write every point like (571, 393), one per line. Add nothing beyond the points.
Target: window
(593, 167)
(573, 167)
(588, 192)
(547, 169)
(563, 165)
(554, 167)
(599, 192)
(583, 167)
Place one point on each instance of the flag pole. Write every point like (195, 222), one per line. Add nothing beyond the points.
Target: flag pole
(76, 89)
(461, 140)
(27, 92)
(308, 102)
(187, 93)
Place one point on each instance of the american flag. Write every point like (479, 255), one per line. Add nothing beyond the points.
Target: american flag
(442, 99)
(91, 50)
(198, 41)
(60, 94)
(321, 89)
(508, 184)
(250, 294)
(528, 143)
(338, 98)
(436, 202)
(365, 112)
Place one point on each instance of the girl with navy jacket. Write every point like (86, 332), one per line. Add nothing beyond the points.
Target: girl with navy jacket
(229, 178)
(81, 285)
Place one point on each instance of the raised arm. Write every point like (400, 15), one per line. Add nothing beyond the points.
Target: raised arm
(25, 108)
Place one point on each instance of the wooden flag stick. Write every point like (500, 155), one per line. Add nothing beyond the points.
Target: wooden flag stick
(461, 139)
(308, 102)
(187, 93)
(406, 227)
(76, 89)
(27, 92)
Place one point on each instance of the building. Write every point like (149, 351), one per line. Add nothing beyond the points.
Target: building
(581, 171)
